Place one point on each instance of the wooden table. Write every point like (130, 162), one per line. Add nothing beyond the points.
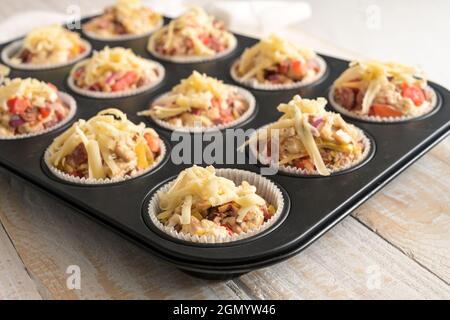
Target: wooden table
(397, 245)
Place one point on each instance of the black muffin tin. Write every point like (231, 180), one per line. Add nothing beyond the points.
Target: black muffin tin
(313, 204)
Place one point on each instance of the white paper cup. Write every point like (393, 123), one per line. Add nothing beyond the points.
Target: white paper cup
(305, 172)
(89, 181)
(245, 116)
(122, 37)
(9, 51)
(265, 188)
(115, 94)
(69, 101)
(425, 110)
(253, 83)
(190, 59)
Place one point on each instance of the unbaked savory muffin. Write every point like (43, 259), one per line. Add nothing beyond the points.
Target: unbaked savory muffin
(200, 100)
(114, 70)
(274, 63)
(201, 203)
(310, 140)
(377, 90)
(106, 147)
(29, 106)
(50, 45)
(126, 17)
(193, 36)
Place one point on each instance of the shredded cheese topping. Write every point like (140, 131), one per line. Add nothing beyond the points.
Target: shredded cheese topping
(268, 52)
(38, 92)
(129, 13)
(196, 185)
(196, 91)
(52, 39)
(101, 136)
(296, 116)
(111, 60)
(372, 76)
(192, 25)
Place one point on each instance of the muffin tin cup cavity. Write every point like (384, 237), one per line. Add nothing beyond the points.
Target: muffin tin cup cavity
(89, 181)
(253, 83)
(433, 106)
(243, 118)
(191, 59)
(123, 37)
(9, 51)
(369, 149)
(116, 94)
(69, 101)
(265, 188)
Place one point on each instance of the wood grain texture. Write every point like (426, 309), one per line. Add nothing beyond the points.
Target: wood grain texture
(347, 263)
(15, 282)
(413, 212)
(409, 246)
(49, 237)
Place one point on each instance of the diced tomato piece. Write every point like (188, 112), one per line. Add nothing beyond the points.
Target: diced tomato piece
(152, 142)
(384, 111)
(78, 73)
(305, 164)
(414, 93)
(17, 105)
(225, 115)
(205, 39)
(127, 80)
(226, 119)
(44, 112)
(296, 66)
(51, 85)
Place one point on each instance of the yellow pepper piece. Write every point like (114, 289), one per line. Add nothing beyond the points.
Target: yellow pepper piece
(271, 209)
(347, 148)
(141, 156)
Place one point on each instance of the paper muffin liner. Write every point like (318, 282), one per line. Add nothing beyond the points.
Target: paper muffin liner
(246, 115)
(305, 172)
(15, 46)
(265, 188)
(69, 101)
(191, 59)
(116, 94)
(253, 83)
(123, 37)
(90, 181)
(424, 110)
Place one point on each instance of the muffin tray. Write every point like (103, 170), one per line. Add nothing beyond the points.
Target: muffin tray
(313, 206)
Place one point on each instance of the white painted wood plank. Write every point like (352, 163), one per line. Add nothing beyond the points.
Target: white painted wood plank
(413, 212)
(15, 283)
(347, 263)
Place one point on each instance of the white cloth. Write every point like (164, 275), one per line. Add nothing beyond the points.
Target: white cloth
(248, 17)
